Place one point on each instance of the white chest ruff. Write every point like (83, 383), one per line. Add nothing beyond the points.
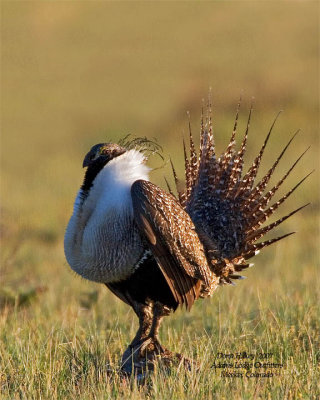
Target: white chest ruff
(102, 242)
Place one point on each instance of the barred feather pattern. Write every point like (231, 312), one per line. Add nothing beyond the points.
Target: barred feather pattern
(226, 206)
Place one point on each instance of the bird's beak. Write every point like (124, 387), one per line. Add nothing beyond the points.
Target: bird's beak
(86, 162)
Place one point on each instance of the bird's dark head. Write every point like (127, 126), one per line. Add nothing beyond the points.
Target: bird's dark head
(100, 154)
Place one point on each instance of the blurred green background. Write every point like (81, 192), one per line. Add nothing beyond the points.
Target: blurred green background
(79, 73)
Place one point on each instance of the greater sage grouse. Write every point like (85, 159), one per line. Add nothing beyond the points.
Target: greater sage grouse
(156, 251)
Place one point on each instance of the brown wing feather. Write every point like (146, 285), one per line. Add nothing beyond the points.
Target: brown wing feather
(173, 241)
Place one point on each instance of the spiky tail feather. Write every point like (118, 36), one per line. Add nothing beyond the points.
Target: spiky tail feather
(227, 207)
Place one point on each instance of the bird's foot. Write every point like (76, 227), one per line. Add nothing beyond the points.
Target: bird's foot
(148, 354)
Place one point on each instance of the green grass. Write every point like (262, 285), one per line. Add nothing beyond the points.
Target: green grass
(75, 74)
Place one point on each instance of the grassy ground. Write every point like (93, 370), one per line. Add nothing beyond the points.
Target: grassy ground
(77, 74)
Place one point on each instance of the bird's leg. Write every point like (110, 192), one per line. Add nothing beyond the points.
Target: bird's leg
(145, 349)
(131, 359)
(151, 345)
(144, 313)
(151, 348)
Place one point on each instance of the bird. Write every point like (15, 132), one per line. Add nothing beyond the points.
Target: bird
(157, 249)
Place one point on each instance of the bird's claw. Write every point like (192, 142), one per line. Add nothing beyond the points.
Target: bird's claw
(145, 356)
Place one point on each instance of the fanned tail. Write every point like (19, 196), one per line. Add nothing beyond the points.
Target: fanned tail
(226, 206)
